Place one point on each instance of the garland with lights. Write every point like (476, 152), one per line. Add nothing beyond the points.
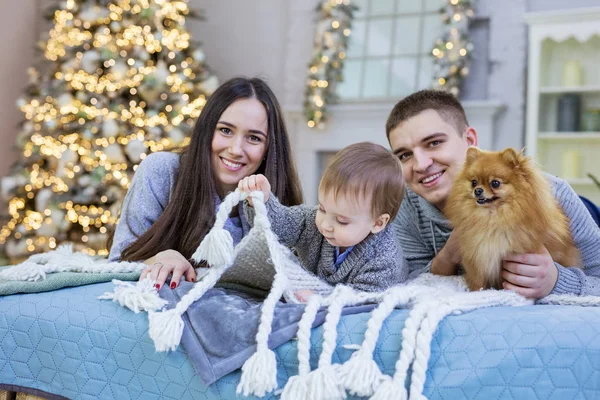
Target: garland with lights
(329, 51)
(452, 51)
(122, 79)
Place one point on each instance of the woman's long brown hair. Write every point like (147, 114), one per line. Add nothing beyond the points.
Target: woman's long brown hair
(191, 210)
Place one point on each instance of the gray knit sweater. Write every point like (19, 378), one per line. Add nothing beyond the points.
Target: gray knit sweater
(148, 195)
(423, 230)
(372, 265)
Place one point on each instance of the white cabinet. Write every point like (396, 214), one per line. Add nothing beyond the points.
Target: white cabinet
(563, 95)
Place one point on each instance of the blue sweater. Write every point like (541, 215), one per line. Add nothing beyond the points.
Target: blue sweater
(372, 265)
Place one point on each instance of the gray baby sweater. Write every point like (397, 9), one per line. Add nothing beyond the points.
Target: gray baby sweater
(148, 195)
(372, 265)
(423, 230)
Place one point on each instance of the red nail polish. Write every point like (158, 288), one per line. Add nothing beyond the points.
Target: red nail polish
(157, 286)
(173, 285)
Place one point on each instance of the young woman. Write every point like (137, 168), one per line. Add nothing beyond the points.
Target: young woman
(173, 197)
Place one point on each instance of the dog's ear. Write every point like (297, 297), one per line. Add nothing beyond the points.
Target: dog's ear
(511, 157)
(472, 153)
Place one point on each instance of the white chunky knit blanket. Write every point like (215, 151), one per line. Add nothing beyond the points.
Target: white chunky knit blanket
(431, 298)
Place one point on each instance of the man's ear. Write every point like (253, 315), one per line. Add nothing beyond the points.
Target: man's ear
(380, 223)
(470, 136)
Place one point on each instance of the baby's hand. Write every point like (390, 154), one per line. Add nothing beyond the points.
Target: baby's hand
(303, 295)
(253, 183)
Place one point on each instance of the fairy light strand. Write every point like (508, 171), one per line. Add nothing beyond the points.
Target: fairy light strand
(452, 51)
(334, 27)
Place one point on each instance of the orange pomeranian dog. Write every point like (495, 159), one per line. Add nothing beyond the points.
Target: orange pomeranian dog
(501, 203)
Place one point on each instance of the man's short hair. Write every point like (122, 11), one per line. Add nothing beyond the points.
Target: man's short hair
(446, 105)
(366, 171)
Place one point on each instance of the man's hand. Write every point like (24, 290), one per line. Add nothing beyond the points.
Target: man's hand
(165, 263)
(255, 183)
(531, 275)
(448, 259)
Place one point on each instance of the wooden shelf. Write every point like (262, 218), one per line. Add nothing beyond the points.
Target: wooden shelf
(569, 135)
(570, 89)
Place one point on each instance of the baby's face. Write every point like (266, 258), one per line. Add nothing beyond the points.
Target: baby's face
(344, 221)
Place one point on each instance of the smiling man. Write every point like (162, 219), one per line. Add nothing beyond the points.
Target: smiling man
(429, 132)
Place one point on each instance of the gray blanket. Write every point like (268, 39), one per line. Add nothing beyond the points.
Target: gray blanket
(220, 328)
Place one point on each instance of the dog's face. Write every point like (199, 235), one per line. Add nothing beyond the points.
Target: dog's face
(492, 179)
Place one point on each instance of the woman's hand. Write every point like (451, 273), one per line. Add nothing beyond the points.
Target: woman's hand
(165, 263)
(303, 295)
(254, 183)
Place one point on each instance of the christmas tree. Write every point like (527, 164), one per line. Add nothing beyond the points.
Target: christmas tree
(121, 79)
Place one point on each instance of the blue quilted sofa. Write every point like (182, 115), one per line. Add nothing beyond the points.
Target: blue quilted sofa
(67, 343)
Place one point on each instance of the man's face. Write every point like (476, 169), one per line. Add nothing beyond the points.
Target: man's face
(431, 152)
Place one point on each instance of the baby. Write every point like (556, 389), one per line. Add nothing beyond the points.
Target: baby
(346, 238)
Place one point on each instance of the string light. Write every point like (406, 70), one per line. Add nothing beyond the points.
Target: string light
(452, 50)
(325, 69)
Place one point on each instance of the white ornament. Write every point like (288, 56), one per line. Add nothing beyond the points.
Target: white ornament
(96, 240)
(42, 198)
(199, 55)
(110, 128)
(48, 229)
(142, 54)
(81, 96)
(9, 183)
(89, 61)
(51, 124)
(115, 208)
(210, 85)
(68, 65)
(149, 93)
(176, 136)
(114, 193)
(89, 192)
(84, 180)
(64, 100)
(88, 15)
(119, 70)
(328, 39)
(135, 149)
(155, 132)
(162, 72)
(15, 248)
(68, 156)
(114, 154)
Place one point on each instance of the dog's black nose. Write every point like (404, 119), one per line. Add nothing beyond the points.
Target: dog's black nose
(478, 192)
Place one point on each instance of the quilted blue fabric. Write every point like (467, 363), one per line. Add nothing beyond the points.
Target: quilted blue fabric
(69, 343)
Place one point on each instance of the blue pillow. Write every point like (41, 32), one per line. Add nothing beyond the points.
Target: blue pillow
(593, 209)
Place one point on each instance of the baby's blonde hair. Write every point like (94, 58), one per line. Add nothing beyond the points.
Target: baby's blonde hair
(367, 171)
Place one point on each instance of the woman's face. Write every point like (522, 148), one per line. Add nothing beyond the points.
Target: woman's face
(239, 142)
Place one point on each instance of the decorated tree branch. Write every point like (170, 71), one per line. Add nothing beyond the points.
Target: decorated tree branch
(329, 51)
(452, 51)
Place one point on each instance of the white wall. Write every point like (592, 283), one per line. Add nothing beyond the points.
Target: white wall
(273, 39)
(19, 30)
(244, 38)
